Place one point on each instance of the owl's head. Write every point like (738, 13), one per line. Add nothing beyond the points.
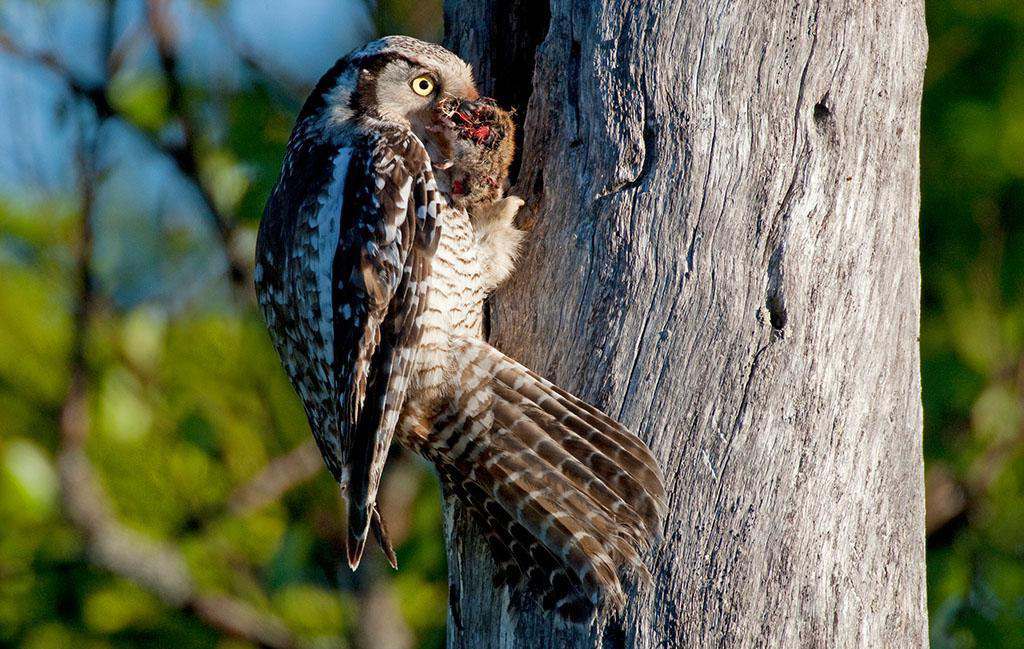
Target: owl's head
(396, 79)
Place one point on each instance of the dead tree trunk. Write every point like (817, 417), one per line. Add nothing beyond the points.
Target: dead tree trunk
(724, 255)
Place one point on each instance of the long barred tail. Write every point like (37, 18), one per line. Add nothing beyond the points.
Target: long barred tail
(566, 497)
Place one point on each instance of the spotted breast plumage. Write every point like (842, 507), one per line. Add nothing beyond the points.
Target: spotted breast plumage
(385, 232)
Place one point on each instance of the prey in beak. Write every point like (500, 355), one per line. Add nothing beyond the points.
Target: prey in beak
(482, 148)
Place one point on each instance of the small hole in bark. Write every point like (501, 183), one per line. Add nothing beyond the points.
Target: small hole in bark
(615, 635)
(821, 113)
(776, 311)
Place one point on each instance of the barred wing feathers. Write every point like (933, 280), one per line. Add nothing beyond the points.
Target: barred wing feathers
(566, 497)
(389, 233)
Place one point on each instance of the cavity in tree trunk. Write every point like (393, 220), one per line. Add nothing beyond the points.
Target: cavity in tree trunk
(724, 255)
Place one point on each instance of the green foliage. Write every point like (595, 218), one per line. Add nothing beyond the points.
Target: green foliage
(142, 97)
(972, 337)
(418, 18)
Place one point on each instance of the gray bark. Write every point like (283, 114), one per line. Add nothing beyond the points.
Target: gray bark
(724, 255)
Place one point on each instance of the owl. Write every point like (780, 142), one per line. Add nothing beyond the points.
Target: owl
(386, 230)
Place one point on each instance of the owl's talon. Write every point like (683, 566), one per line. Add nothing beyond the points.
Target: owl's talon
(507, 208)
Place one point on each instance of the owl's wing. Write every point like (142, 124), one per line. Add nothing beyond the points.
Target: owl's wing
(388, 235)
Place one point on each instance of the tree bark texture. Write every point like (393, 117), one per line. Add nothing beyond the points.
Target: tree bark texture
(723, 202)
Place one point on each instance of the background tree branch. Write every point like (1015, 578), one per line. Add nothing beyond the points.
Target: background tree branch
(185, 156)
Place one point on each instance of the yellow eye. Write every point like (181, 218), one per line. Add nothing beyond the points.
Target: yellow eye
(422, 85)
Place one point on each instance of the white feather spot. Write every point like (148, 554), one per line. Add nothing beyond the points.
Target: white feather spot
(403, 194)
(327, 233)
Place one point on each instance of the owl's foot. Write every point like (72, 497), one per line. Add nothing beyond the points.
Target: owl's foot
(500, 213)
(497, 238)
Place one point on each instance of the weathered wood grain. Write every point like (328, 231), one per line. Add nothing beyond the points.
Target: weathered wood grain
(724, 255)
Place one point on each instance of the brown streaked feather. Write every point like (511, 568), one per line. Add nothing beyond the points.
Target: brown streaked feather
(518, 487)
(541, 438)
(622, 461)
(615, 432)
(380, 532)
(566, 495)
(523, 562)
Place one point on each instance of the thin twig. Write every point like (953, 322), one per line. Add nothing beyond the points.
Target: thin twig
(184, 156)
(187, 154)
(289, 92)
(95, 95)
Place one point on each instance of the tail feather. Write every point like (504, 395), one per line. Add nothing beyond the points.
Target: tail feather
(567, 497)
(623, 460)
(380, 532)
(575, 487)
(522, 560)
(601, 422)
(524, 564)
(522, 492)
(569, 457)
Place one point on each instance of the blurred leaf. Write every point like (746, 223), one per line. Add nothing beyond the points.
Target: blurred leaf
(996, 413)
(48, 636)
(32, 476)
(145, 329)
(118, 606)
(291, 561)
(419, 601)
(227, 179)
(142, 96)
(124, 412)
(312, 611)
